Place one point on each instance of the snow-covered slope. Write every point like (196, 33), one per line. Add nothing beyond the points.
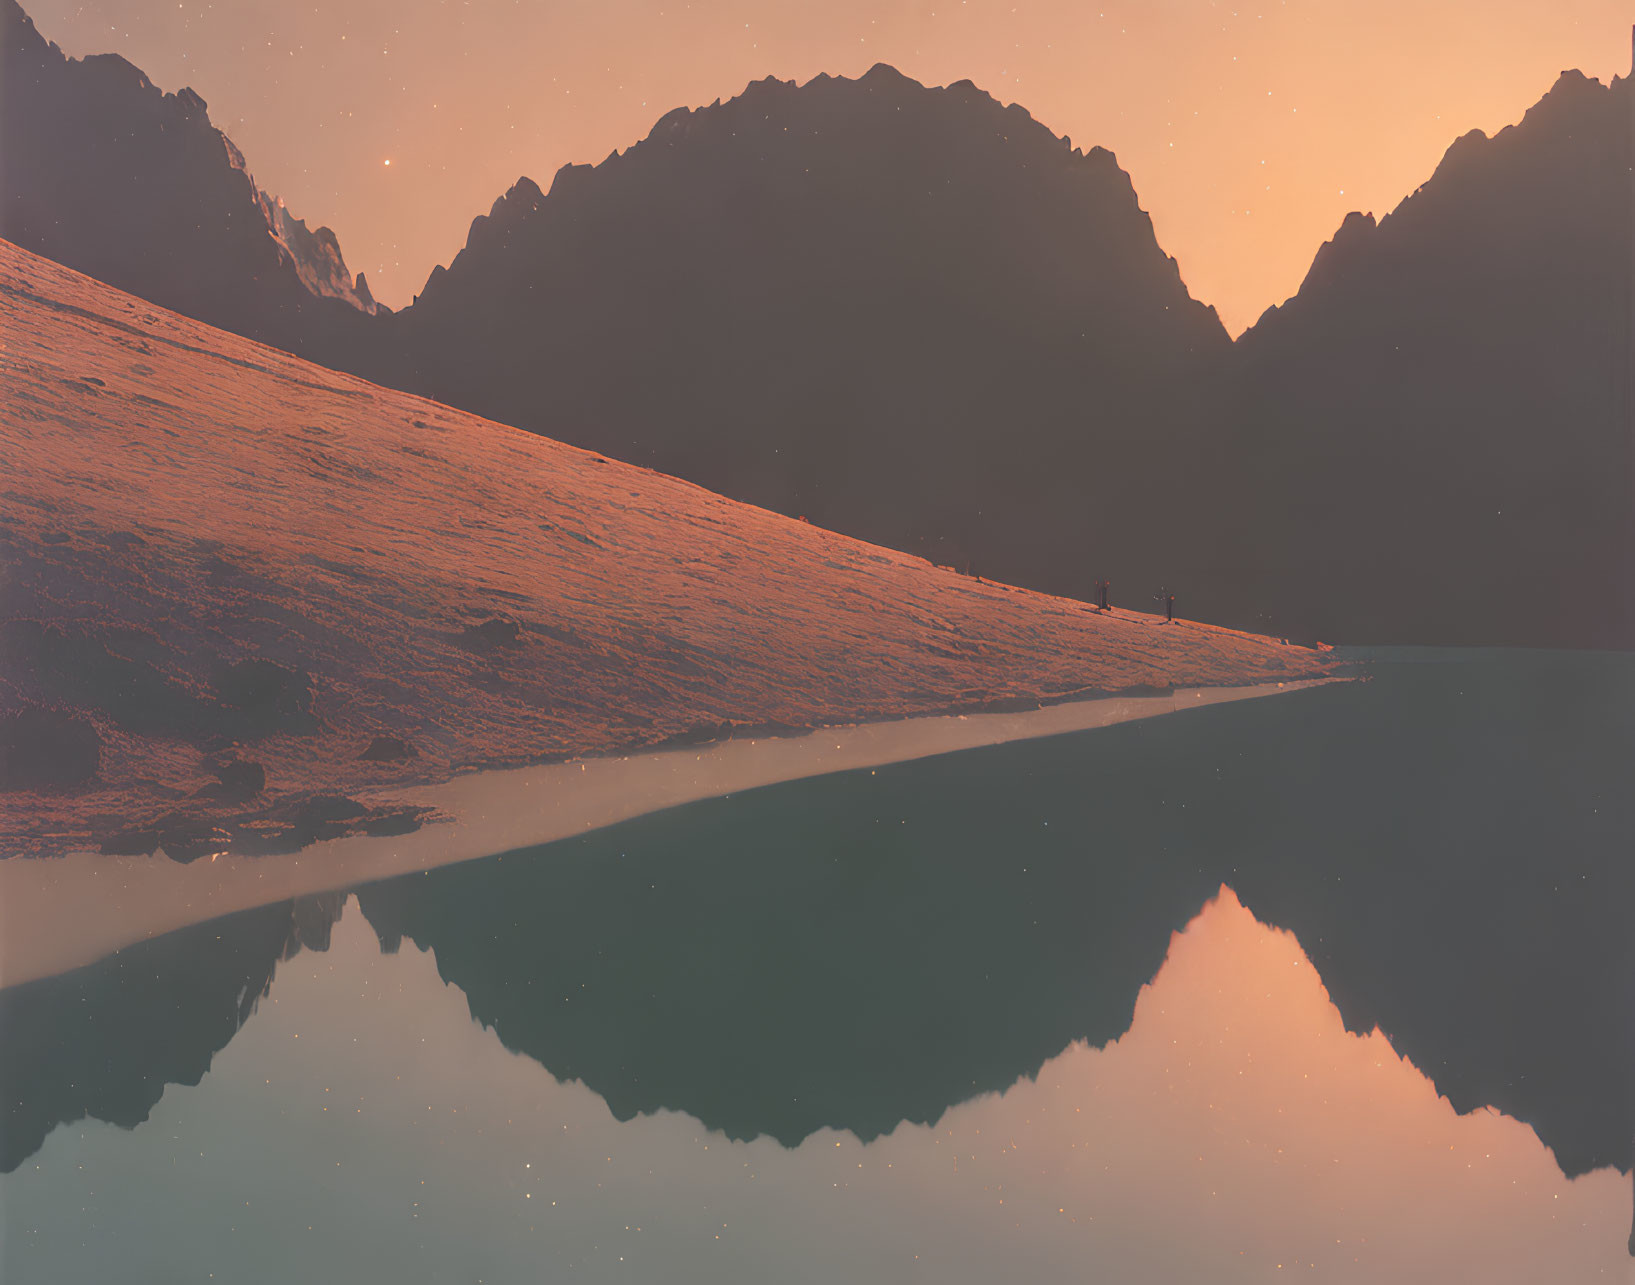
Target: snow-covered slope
(241, 592)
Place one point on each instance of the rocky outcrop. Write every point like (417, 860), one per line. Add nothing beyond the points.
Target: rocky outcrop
(317, 257)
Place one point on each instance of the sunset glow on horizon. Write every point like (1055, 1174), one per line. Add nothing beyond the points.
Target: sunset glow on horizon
(1249, 132)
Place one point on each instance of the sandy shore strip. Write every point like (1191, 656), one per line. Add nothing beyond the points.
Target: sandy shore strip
(59, 914)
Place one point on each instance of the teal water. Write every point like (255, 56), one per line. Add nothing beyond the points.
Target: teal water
(811, 983)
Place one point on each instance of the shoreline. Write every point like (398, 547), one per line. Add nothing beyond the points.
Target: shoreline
(57, 914)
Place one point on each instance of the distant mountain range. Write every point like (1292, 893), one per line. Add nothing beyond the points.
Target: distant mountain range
(917, 316)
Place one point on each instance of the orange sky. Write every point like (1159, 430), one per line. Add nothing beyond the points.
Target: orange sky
(1249, 128)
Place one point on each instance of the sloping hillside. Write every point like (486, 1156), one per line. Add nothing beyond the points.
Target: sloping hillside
(240, 587)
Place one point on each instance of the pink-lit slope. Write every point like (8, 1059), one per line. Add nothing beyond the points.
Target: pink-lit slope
(179, 501)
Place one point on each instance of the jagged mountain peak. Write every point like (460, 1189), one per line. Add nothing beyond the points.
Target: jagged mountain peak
(315, 254)
(1508, 184)
(887, 307)
(1467, 356)
(19, 34)
(872, 147)
(881, 81)
(106, 172)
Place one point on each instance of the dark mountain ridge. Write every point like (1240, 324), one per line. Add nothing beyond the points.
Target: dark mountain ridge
(111, 176)
(1440, 420)
(823, 299)
(977, 351)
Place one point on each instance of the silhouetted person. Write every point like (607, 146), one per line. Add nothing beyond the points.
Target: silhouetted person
(1168, 599)
(1102, 588)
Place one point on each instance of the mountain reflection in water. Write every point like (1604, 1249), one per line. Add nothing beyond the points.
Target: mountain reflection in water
(1447, 842)
(362, 1122)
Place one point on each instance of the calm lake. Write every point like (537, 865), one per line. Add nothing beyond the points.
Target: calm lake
(1338, 984)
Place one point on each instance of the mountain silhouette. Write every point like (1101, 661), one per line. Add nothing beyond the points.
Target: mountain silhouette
(105, 173)
(913, 315)
(917, 316)
(1436, 431)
